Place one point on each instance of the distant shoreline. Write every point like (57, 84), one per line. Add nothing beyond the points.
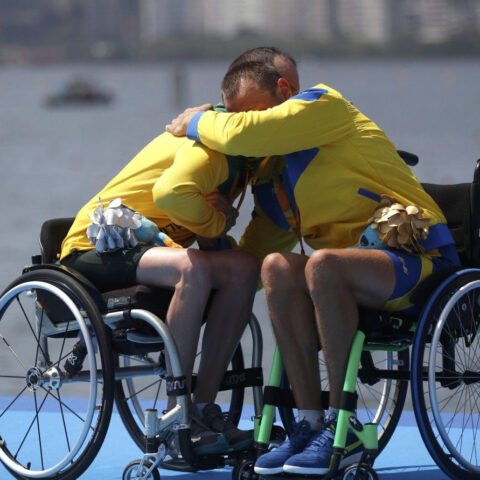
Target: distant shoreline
(219, 49)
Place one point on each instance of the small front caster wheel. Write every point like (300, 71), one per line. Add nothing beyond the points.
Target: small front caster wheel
(134, 472)
(359, 472)
(243, 470)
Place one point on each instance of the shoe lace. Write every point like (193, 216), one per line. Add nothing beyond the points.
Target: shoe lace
(323, 439)
(300, 433)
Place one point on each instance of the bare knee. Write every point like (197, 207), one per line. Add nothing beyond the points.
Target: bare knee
(282, 272)
(324, 269)
(276, 271)
(195, 269)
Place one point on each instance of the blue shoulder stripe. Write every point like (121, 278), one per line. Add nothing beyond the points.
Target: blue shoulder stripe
(268, 202)
(192, 129)
(310, 94)
(371, 195)
(297, 162)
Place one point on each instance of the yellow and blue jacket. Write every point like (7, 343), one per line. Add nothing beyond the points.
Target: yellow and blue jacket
(167, 182)
(336, 165)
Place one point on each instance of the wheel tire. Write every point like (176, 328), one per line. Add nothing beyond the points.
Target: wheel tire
(366, 473)
(380, 403)
(243, 470)
(132, 468)
(30, 301)
(447, 343)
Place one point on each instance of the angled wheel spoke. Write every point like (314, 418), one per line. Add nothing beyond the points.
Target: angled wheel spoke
(157, 395)
(15, 354)
(63, 421)
(137, 392)
(61, 402)
(38, 429)
(38, 343)
(37, 411)
(30, 327)
(13, 401)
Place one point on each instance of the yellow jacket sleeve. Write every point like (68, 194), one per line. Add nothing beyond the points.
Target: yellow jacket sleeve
(180, 191)
(313, 118)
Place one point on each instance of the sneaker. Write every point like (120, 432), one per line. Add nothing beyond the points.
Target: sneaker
(205, 441)
(315, 459)
(272, 462)
(173, 459)
(219, 422)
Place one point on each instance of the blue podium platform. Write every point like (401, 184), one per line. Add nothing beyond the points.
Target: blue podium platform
(404, 458)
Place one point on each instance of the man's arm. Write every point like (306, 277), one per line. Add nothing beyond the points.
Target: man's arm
(311, 119)
(182, 191)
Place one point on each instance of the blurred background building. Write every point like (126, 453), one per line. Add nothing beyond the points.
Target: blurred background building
(61, 30)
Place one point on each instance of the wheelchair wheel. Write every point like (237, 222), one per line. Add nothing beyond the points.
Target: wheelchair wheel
(136, 394)
(380, 400)
(55, 407)
(360, 472)
(136, 470)
(446, 375)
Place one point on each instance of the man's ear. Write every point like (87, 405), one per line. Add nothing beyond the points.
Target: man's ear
(284, 89)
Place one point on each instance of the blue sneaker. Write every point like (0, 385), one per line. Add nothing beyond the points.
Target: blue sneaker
(315, 459)
(272, 462)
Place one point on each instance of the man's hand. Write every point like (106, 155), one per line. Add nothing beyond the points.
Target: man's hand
(178, 126)
(218, 201)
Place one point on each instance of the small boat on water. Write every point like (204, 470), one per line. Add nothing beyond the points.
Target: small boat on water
(79, 92)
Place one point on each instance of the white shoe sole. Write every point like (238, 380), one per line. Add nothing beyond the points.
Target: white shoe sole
(268, 471)
(351, 459)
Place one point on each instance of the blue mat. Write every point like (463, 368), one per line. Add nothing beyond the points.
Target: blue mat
(405, 457)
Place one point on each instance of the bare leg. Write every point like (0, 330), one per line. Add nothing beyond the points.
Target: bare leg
(338, 281)
(293, 321)
(193, 273)
(235, 279)
(188, 271)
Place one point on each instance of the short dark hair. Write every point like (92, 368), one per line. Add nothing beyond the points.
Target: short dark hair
(262, 55)
(263, 74)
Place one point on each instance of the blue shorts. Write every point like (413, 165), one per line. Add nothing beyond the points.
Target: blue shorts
(410, 270)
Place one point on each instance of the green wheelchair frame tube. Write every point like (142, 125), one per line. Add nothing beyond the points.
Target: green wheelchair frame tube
(263, 426)
(368, 434)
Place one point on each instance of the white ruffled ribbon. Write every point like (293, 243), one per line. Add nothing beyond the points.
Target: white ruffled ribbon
(111, 227)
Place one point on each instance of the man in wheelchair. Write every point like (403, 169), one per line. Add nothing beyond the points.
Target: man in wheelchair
(171, 183)
(374, 230)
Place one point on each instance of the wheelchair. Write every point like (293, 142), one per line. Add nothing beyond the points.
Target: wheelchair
(68, 352)
(437, 353)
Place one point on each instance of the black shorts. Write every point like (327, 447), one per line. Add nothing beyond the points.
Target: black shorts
(108, 270)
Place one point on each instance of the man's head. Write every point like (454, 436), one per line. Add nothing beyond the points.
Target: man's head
(285, 65)
(254, 86)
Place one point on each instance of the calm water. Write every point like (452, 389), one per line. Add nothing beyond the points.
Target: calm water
(52, 160)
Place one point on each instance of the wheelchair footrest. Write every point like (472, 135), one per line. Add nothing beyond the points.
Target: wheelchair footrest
(178, 465)
(204, 462)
